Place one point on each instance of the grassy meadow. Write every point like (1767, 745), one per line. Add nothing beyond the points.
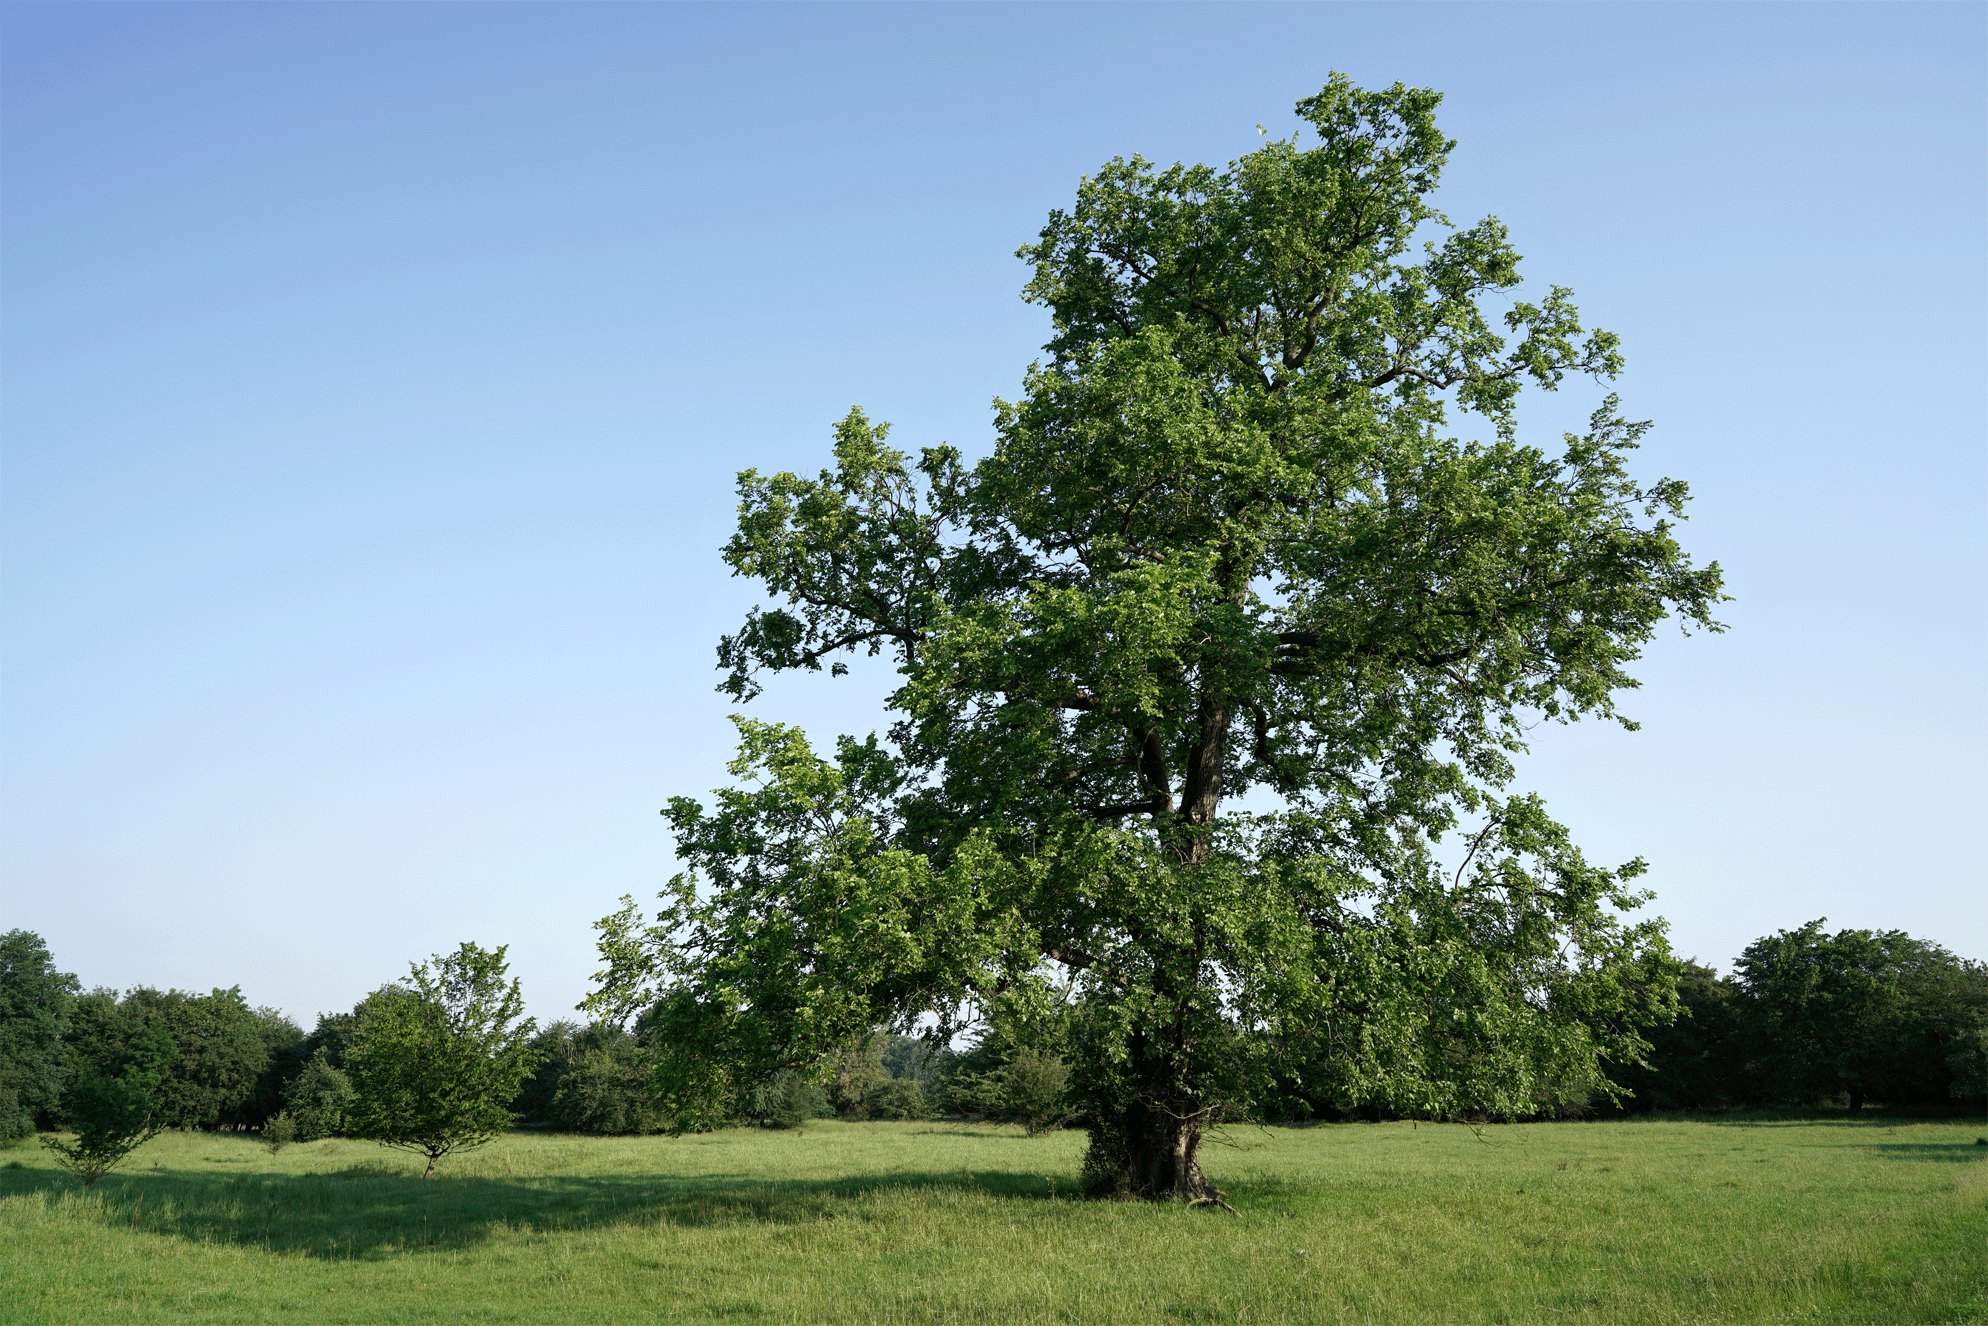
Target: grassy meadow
(1722, 1220)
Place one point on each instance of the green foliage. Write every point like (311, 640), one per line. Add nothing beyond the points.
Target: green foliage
(279, 1131)
(609, 1090)
(862, 1085)
(593, 1079)
(897, 1099)
(915, 1059)
(318, 1098)
(224, 1048)
(114, 1107)
(1967, 1065)
(283, 1043)
(1698, 1062)
(1871, 1015)
(35, 1004)
(559, 1046)
(1029, 1089)
(435, 1063)
(855, 1076)
(1222, 544)
(333, 1036)
(787, 1100)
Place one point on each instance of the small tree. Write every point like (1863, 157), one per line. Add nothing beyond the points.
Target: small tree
(279, 1131)
(435, 1063)
(115, 1112)
(318, 1098)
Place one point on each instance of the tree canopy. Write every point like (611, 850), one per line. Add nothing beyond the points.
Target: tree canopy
(436, 1062)
(35, 1003)
(1224, 545)
(1869, 1014)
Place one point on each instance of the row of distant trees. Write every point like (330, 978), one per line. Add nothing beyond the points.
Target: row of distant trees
(178, 1059)
(1859, 1016)
(1807, 1017)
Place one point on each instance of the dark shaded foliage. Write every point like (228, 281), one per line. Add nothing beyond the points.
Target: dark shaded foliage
(223, 1050)
(609, 1091)
(786, 1100)
(1864, 1014)
(283, 1042)
(35, 1005)
(318, 1099)
(115, 1105)
(559, 1045)
(1698, 1062)
(595, 1079)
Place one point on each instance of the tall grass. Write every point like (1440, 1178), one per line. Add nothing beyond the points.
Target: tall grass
(1644, 1221)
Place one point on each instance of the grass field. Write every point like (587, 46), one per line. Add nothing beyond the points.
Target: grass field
(1647, 1221)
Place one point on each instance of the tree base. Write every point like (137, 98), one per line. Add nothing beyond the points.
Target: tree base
(1150, 1155)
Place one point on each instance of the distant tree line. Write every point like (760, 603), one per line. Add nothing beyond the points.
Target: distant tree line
(1807, 1018)
(1858, 1017)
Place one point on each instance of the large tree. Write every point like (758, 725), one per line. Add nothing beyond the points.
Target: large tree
(35, 1003)
(1224, 545)
(1868, 1014)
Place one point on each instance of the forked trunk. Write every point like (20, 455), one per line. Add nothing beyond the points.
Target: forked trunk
(429, 1173)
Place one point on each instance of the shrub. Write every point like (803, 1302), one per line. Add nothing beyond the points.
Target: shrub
(279, 1131)
(609, 1091)
(788, 1100)
(112, 1118)
(1027, 1090)
(318, 1099)
(898, 1098)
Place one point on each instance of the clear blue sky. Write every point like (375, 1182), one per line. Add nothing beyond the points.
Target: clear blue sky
(375, 376)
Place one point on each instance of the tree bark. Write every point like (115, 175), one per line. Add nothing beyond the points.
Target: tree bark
(1149, 1153)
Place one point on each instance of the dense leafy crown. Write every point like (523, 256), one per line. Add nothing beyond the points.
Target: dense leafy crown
(1222, 544)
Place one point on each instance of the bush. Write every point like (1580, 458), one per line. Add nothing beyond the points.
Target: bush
(1027, 1090)
(112, 1118)
(279, 1131)
(609, 1091)
(788, 1100)
(318, 1099)
(857, 1078)
(898, 1098)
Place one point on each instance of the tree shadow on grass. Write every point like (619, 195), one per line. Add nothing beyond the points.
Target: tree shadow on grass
(1794, 1119)
(1943, 1153)
(369, 1210)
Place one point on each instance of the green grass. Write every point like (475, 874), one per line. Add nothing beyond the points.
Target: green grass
(1645, 1221)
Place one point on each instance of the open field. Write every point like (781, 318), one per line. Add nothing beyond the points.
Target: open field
(1649, 1221)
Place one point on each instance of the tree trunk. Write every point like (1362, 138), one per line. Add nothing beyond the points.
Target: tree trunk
(430, 1172)
(1149, 1153)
